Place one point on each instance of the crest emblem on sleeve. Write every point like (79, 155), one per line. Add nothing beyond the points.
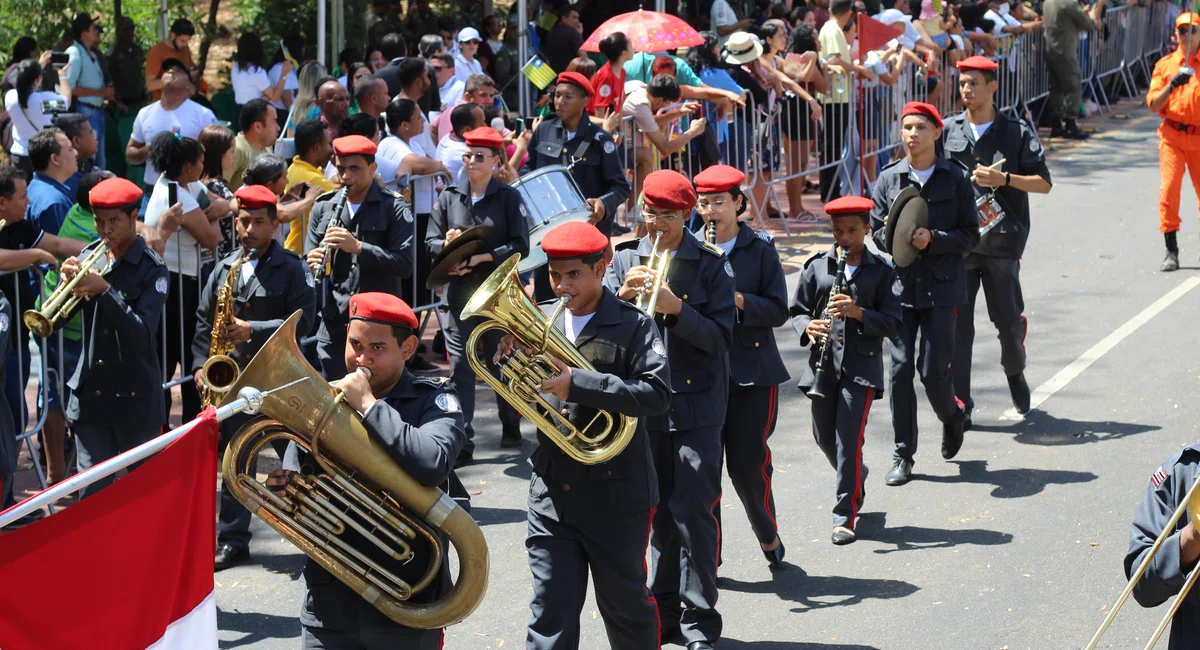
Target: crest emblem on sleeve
(658, 348)
(524, 213)
(1033, 145)
(160, 285)
(605, 90)
(609, 147)
(728, 269)
(447, 402)
(308, 277)
(3, 322)
(897, 287)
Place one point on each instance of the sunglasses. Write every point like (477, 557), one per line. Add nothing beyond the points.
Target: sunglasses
(1184, 29)
(475, 157)
(437, 68)
(470, 42)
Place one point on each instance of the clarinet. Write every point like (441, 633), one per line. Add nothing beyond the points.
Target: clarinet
(823, 354)
(335, 222)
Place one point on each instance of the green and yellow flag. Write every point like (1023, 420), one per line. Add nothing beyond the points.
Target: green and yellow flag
(539, 72)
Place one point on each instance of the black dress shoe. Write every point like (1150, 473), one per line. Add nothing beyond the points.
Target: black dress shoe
(1071, 131)
(1170, 262)
(439, 343)
(968, 423)
(842, 536)
(464, 458)
(421, 365)
(228, 557)
(775, 556)
(901, 472)
(1019, 389)
(619, 229)
(700, 645)
(952, 434)
(510, 442)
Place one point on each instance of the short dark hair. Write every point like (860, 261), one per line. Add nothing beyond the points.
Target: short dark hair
(865, 216)
(444, 58)
(664, 86)
(462, 117)
(365, 86)
(264, 169)
(359, 124)
(71, 124)
(183, 27)
(42, 146)
(8, 180)
(169, 153)
(401, 332)
(840, 7)
(253, 112)
(988, 75)
(171, 62)
(90, 180)
(271, 208)
(409, 71)
(392, 46)
(614, 45)
(398, 111)
(430, 44)
(308, 134)
(349, 56)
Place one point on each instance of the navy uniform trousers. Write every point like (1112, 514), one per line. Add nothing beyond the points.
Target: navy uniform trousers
(839, 422)
(744, 437)
(1001, 282)
(932, 359)
(462, 375)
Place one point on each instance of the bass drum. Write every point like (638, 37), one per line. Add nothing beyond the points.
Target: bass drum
(551, 198)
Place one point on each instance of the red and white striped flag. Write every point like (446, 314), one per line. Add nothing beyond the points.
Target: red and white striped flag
(130, 567)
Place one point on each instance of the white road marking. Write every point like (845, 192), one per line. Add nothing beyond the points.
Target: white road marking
(1093, 354)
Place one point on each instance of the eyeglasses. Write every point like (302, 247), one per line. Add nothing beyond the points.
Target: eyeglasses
(475, 157)
(665, 217)
(437, 68)
(709, 206)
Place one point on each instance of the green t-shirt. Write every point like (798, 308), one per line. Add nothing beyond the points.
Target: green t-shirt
(80, 226)
(638, 69)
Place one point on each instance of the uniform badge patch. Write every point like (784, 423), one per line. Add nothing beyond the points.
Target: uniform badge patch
(447, 403)
(609, 147)
(523, 212)
(160, 285)
(897, 287)
(764, 235)
(308, 277)
(1033, 145)
(1158, 477)
(728, 269)
(3, 322)
(658, 348)
(605, 90)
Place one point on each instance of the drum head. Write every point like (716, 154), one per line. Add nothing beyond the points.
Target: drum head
(549, 193)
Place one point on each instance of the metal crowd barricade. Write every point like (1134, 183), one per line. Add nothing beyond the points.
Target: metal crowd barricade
(187, 322)
(44, 373)
(423, 311)
(1113, 57)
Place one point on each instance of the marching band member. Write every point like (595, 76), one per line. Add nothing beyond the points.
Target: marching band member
(117, 400)
(478, 199)
(979, 137)
(756, 369)
(696, 313)
(269, 288)
(418, 421)
(595, 517)
(932, 287)
(371, 249)
(850, 381)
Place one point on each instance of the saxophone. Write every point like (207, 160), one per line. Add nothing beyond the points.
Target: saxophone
(220, 371)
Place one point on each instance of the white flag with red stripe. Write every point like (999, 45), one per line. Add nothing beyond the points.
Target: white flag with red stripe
(129, 567)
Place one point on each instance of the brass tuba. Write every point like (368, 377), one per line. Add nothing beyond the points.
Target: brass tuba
(363, 489)
(220, 371)
(503, 302)
(60, 305)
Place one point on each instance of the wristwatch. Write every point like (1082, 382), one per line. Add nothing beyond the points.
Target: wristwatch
(1007, 179)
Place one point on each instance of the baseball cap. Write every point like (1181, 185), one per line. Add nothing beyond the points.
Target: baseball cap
(468, 34)
(83, 21)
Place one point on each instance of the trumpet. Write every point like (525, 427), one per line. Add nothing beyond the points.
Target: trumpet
(61, 305)
(659, 264)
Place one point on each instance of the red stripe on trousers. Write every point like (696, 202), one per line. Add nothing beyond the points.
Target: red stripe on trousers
(773, 413)
(858, 478)
(712, 511)
(1024, 333)
(649, 596)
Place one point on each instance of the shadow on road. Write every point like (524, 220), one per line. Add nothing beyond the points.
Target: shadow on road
(1041, 428)
(872, 526)
(290, 564)
(727, 643)
(1010, 483)
(818, 592)
(256, 627)
(498, 516)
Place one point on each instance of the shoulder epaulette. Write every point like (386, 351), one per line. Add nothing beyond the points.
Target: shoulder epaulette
(894, 162)
(711, 248)
(326, 196)
(434, 382)
(155, 256)
(764, 235)
(392, 193)
(812, 258)
(627, 245)
(961, 165)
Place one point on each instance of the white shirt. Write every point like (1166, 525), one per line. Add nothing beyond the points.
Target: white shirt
(395, 149)
(464, 68)
(922, 175)
(575, 324)
(450, 152)
(248, 84)
(892, 16)
(26, 123)
(182, 253)
(979, 129)
(722, 16)
(727, 246)
(452, 91)
(292, 84)
(186, 121)
(850, 272)
(247, 271)
(496, 46)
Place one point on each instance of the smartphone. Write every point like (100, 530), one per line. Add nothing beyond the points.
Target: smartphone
(58, 58)
(519, 127)
(172, 194)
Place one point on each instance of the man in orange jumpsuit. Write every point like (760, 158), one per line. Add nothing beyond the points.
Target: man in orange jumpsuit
(1174, 97)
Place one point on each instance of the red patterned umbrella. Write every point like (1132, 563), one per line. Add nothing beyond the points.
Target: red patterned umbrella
(647, 31)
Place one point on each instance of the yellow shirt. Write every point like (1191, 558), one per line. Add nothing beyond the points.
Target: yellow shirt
(302, 172)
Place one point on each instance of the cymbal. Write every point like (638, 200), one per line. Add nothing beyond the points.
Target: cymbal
(470, 242)
(908, 213)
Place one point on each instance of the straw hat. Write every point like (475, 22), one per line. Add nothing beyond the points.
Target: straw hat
(741, 48)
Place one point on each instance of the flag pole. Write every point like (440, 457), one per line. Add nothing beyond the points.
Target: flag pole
(249, 401)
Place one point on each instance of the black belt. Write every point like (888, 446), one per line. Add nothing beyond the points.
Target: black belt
(1180, 126)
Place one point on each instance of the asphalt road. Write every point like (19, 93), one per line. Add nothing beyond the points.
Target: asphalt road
(1017, 543)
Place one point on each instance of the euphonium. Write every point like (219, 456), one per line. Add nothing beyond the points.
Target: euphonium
(60, 305)
(362, 489)
(503, 302)
(660, 263)
(220, 371)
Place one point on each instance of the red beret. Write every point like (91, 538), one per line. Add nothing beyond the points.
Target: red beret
(381, 308)
(484, 136)
(253, 197)
(574, 239)
(718, 178)
(977, 63)
(578, 80)
(114, 193)
(354, 145)
(921, 108)
(849, 205)
(667, 189)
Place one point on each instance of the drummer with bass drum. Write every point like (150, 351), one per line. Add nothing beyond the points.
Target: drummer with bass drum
(572, 140)
(1008, 163)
